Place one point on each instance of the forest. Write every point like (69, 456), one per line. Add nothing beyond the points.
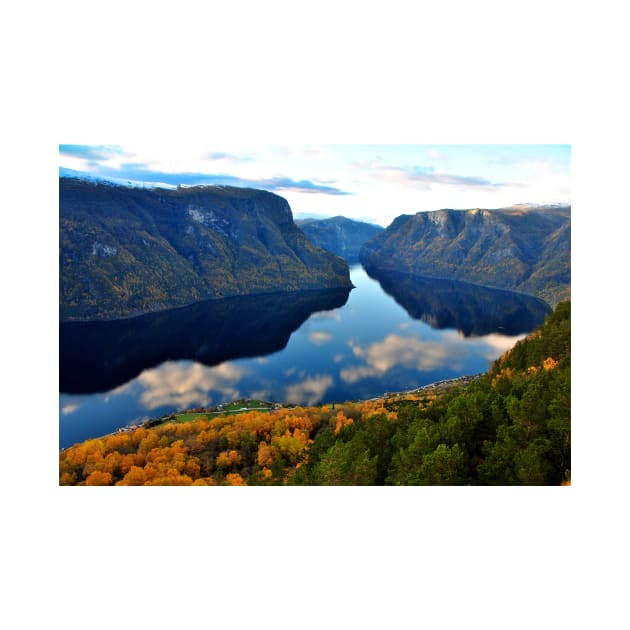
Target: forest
(511, 426)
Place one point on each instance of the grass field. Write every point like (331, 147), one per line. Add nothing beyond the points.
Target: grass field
(237, 406)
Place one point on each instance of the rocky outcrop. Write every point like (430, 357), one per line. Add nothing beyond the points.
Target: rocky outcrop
(126, 251)
(525, 250)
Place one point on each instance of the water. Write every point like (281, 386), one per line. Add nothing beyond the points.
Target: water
(391, 333)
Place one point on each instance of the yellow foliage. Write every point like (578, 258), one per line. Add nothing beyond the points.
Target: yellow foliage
(228, 459)
(549, 364)
(234, 479)
(342, 421)
(265, 454)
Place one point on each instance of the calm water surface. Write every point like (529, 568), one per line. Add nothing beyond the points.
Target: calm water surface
(391, 333)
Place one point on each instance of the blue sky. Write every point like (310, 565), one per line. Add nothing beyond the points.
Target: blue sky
(368, 182)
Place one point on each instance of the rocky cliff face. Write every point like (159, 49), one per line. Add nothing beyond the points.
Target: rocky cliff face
(340, 235)
(126, 251)
(525, 250)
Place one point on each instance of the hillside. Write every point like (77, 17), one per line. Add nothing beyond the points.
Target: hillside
(523, 249)
(511, 426)
(126, 251)
(340, 235)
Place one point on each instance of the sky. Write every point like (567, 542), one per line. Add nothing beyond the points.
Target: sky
(374, 183)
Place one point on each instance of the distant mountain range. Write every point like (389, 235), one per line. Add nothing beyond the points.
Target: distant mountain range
(128, 250)
(523, 248)
(339, 235)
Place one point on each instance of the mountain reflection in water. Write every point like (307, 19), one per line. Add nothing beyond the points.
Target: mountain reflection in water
(98, 356)
(393, 334)
(471, 309)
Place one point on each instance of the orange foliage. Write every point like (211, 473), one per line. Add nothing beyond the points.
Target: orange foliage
(550, 363)
(162, 455)
(508, 374)
(228, 459)
(98, 478)
(135, 477)
(234, 479)
(265, 454)
(172, 478)
(373, 407)
(67, 479)
(342, 421)
(117, 441)
(126, 462)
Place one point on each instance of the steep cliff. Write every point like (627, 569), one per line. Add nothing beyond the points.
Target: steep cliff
(520, 249)
(340, 235)
(126, 251)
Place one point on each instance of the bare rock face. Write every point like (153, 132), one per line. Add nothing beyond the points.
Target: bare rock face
(126, 251)
(525, 250)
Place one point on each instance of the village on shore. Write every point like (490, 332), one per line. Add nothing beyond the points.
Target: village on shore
(426, 393)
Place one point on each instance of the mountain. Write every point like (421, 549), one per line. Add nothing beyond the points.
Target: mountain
(523, 249)
(129, 250)
(339, 235)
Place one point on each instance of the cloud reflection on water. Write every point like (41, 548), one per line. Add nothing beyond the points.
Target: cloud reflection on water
(182, 384)
(310, 391)
(318, 337)
(412, 352)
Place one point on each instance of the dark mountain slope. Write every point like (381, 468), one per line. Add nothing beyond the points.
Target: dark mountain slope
(526, 250)
(340, 235)
(126, 251)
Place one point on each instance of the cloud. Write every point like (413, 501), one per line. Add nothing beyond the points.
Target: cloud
(309, 391)
(303, 186)
(319, 337)
(94, 153)
(213, 156)
(71, 408)
(424, 177)
(139, 172)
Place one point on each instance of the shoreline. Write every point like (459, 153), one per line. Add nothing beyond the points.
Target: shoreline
(434, 387)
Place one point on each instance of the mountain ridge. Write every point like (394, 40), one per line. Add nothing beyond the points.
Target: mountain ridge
(127, 251)
(339, 235)
(522, 250)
